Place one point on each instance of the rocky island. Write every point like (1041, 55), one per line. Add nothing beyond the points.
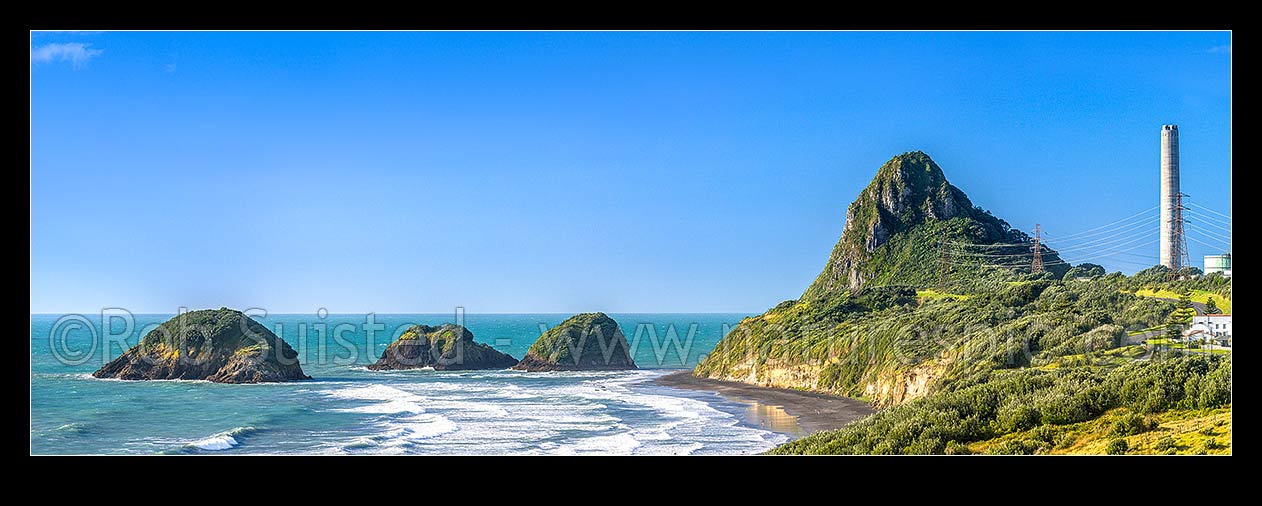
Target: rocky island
(220, 345)
(584, 342)
(448, 347)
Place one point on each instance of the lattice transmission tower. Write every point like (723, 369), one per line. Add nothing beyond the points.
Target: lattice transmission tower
(1036, 265)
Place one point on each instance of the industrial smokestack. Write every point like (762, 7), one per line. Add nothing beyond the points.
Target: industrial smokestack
(1169, 195)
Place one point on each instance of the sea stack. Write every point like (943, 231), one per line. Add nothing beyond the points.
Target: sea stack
(585, 342)
(446, 348)
(220, 345)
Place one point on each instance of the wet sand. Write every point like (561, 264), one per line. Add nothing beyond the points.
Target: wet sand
(813, 411)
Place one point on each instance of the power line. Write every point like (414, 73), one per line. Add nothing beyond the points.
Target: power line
(1151, 258)
(1203, 208)
(1140, 255)
(1212, 224)
(1204, 234)
(980, 255)
(992, 245)
(1212, 234)
(996, 255)
(1128, 218)
(1107, 243)
(1111, 261)
(1142, 228)
(1226, 242)
(1116, 252)
(1214, 219)
(1018, 262)
(1152, 220)
(1100, 244)
(1109, 254)
(1203, 243)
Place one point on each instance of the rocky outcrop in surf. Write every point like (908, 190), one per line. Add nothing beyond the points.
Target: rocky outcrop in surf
(449, 347)
(585, 342)
(220, 345)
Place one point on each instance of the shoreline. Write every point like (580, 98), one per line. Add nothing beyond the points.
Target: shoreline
(813, 411)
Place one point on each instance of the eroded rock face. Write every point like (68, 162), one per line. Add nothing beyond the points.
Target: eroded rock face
(910, 193)
(448, 347)
(585, 342)
(220, 345)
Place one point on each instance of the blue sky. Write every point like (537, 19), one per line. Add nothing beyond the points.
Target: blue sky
(564, 172)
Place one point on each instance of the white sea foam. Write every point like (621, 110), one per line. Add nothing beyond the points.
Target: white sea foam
(215, 443)
(374, 392)
(425, 426)
(616, 444)
(396, 431)
(223, 440)
(389, 400)
(566, 413)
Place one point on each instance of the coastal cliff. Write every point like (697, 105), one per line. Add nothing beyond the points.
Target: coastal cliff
(220, 345)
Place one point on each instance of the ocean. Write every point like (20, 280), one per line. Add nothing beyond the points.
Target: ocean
(347, 409)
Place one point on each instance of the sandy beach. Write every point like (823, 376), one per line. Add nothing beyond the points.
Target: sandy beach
(814, 412)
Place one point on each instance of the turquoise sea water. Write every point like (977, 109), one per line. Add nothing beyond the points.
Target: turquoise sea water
(347, 409)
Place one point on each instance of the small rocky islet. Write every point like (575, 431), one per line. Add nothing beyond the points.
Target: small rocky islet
(449, 347)
(584, 342)
(220, 345)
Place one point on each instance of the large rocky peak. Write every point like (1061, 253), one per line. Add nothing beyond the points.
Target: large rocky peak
(909, 192)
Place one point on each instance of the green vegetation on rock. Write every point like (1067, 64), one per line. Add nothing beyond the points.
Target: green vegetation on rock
(587, 341)
(220, 345)
(447, 347)
(1084, 270)
(895, 228)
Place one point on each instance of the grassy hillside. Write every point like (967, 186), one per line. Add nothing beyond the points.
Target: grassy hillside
(1040, 411)
(1173, 432)
(893, 344)
(1201, 296)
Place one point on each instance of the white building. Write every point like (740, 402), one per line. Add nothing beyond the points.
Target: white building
(1217, 326)
(1218, 263)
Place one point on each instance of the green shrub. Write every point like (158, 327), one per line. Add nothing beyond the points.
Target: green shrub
(956, 448)
(1117, 447)
(1130, 424)
(1015, 416)
(1065, 440)
(1044, 433)
(1016, 447)
(1164, 444)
